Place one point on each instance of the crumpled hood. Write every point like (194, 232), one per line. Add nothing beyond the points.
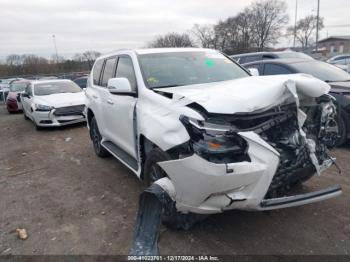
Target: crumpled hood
(248, 94)
(62, 100)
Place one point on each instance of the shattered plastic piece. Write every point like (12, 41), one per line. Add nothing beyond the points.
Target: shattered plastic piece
(68, 139)
(22, 233)
(148, 220)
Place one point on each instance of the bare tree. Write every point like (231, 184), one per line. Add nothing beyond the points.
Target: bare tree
(269, 18)
(14, 60)
(90, 57)
(172, 40)
(206, 35)
(305, 29)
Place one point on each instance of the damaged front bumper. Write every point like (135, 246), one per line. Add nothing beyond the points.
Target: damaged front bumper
(47, 119)
(204, 187)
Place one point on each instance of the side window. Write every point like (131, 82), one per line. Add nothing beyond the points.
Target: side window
(29, 90)
(273, 69)
(97, 71)
(109, 71)
(125, 69)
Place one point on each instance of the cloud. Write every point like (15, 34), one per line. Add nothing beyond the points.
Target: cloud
(106, 25)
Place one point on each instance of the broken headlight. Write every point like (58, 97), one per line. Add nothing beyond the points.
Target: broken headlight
(215, 143)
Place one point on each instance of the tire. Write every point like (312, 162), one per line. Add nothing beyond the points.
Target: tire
(170, 217)
(25, 115)
(96, 139)
(343, 132)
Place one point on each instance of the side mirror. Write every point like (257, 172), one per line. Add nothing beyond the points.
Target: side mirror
(25, 95)
(254, 71)
(120, 86)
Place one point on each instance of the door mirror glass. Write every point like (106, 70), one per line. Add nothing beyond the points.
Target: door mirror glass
(254, 71)
(120, 86)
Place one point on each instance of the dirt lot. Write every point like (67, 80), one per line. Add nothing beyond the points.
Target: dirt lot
(71, 202)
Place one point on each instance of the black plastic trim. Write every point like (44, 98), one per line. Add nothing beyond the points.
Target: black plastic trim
(297, 198)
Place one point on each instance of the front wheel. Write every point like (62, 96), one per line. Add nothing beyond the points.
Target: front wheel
(170, 217)
(343, 133)
(25, 115)
(96, 139)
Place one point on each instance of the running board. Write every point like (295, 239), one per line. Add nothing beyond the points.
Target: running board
(121, 154)
(298, 200)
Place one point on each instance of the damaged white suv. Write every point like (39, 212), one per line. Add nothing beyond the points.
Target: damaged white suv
(212, 136)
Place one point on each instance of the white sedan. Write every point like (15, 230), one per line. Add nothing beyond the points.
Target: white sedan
(53, 103)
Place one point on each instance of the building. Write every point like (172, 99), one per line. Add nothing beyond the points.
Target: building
(334, 45)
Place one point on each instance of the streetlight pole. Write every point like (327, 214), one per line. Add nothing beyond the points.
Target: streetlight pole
(295, 22)
(54, 43)
(317, 23)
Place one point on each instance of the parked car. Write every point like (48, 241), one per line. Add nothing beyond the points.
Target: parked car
(13, 100)
(5, 87)
(215, 138)
(53, 103)
(337, 79)
(341, 61)
(252, 57)
(81, 81)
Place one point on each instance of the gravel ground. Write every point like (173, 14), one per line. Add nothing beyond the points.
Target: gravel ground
(72, 202)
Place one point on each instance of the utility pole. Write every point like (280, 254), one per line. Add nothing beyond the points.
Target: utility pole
(317, 23)
(54, 43)
(295, 22)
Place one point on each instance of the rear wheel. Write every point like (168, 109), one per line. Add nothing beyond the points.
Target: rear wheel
(96, 139)
(170, 217)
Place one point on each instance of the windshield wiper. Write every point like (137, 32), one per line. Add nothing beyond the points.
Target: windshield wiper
(165, 86)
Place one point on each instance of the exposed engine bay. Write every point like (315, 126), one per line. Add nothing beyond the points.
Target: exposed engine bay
(303, 151)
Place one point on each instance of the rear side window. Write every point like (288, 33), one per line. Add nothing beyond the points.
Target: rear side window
(273, 69)
(97, 71)
(109, 71)
(125, 69)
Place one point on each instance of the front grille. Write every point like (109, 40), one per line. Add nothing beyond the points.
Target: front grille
(69, 110)
(282, 133)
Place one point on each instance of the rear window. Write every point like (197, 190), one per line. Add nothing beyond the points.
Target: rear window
(18, 87)
(44, 89)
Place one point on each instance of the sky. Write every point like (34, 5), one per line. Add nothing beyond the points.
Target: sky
(27, 26)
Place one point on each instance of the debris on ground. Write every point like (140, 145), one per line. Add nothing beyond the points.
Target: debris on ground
(22, 233)
(24, 154)
(68, 139)
(6, 250)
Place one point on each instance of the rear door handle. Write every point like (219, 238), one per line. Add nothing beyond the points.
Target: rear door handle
(109, 101)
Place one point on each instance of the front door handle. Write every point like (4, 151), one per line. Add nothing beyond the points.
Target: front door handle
(95, 96)
(109, 101)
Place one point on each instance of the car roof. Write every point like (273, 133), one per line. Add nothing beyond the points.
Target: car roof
(263, 53)
(22, 81)
(282, 61)
(143, 51)
(50, 81)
